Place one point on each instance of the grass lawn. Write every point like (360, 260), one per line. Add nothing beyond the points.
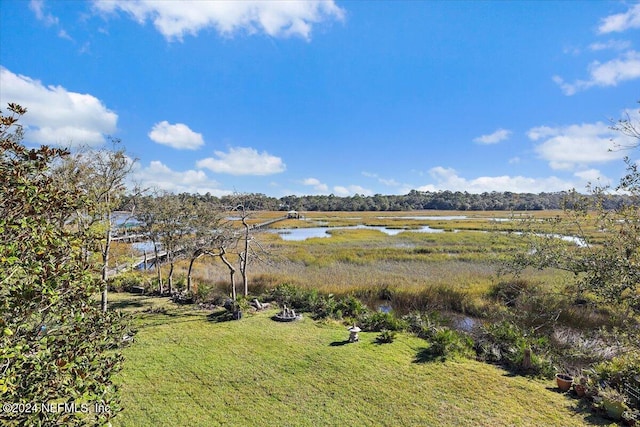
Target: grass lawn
(186, 369)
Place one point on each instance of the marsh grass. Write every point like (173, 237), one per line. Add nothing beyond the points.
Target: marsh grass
(451, 271)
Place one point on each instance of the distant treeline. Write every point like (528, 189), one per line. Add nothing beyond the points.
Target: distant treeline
(414, 200)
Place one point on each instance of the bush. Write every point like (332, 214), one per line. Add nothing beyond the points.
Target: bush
(207, 293)
(386, 337)
(322, 306)
(620, 370)
(420, 324)
(292, 296)
(351, 306)
(447, 344)
(376, 322)
(325, 306)
(506, 343)
(124, 282)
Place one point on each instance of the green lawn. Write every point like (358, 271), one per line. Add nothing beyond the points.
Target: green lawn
(186, 369)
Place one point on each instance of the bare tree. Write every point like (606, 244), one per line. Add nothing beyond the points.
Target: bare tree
(247, 246)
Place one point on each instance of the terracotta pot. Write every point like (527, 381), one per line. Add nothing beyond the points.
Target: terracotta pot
(580, 389)
(564, 381)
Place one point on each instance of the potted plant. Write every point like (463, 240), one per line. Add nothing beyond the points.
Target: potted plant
(613, 402)
(580, 386)
(564, 381)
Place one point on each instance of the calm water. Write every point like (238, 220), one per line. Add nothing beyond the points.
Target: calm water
(430, 218)
(311, 232)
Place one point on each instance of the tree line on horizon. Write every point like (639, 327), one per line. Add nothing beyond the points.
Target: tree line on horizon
(414, 200)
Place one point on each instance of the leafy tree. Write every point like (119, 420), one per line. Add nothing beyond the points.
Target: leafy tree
(205, 224)
(173, 227)
(100, 175)
(56, 344)
(147, 213)
(605, 256)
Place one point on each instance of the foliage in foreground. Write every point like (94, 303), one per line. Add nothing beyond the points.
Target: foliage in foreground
(604, 255)
(56, 346)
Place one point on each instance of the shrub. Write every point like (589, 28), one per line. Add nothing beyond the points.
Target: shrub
(420, 324)
(311, 301)
(376, 322)
(290, 295)
(351, 306)
(325, 306)
(620, 370)
(386, 337)
(124, 282)
(506, 343)
(447, 344)
(180, 283)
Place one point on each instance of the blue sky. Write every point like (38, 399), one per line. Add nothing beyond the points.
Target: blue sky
(324, 97)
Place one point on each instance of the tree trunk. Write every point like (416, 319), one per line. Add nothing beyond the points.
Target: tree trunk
(244, 258)
(170, 277)
(156, 262)
(243, 271)
(195, 256)
(234, 294)
(105, 264)
(232, 272)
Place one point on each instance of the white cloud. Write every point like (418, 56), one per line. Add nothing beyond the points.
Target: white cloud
(243, 161)
(316, 184)
(64, 35)
(174, 19)
(626, 67)
(56, 116)
(351, 190)
(177, 136)
(389, 182)
(159, 176)
(493, 138)
(311, 181)
(514, 160)
(592, 175)
(448, 179)
(49, 20)
(621, 21)
(574, 146)
(611, 44)
(37, 6)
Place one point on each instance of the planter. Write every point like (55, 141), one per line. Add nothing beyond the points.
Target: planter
(564, 381)
(614, 408)
(580, 389)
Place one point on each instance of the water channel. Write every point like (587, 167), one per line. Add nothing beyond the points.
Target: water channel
(297, 234)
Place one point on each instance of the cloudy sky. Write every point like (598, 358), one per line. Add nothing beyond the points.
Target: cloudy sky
(321, 97)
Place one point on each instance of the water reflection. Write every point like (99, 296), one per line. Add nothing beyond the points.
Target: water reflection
(146, 246)
(297, 234)
(430, 218)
